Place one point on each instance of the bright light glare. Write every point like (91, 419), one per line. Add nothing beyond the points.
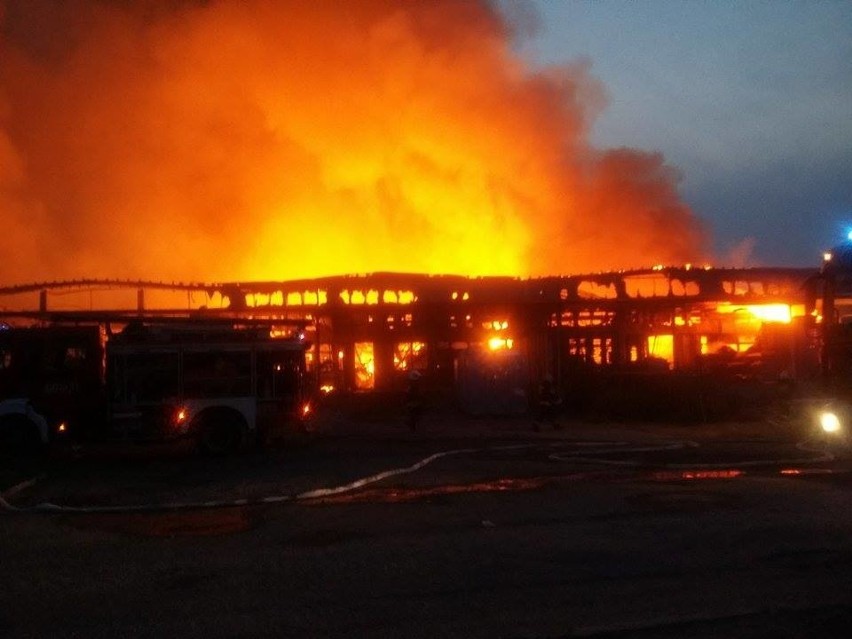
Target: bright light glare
(500, 343)
(830, 422)
(180, 416)
(764, 312)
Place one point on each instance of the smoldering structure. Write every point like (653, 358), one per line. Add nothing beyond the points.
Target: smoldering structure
(684, 342)
(280, 143)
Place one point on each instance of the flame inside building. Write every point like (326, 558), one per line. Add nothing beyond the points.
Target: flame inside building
(487, 341)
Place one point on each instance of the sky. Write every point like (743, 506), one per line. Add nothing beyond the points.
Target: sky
(750, 101)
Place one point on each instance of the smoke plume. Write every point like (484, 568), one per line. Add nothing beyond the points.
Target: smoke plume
(264, 139)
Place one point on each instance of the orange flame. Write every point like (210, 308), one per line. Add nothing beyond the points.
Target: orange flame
(311, 139)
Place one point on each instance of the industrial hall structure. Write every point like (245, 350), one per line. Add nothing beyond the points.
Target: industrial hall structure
(486, 342)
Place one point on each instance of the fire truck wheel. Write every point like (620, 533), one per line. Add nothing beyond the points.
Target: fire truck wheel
(220, 432)
(18, 435)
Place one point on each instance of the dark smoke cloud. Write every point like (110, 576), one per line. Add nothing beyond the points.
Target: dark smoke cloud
(268, 139)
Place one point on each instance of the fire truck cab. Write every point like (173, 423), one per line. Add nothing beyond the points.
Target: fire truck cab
(50, 382)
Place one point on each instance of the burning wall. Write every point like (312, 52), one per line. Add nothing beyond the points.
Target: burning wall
(270, 140)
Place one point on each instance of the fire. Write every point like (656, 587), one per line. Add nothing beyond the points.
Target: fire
(763, 312)
(661, 346)
(313, 139)
(500, 343)
(365, 365)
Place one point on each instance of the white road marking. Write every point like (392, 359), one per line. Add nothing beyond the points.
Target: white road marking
(48, 507)
(360, 483)
(14, 490)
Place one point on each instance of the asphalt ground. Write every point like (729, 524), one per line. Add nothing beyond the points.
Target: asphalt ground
(465, 528)
(339, 457)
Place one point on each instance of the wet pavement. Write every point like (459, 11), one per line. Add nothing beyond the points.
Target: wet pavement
(345, 457)
(463, 529)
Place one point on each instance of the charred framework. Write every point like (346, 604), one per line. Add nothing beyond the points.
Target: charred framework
(608, 339)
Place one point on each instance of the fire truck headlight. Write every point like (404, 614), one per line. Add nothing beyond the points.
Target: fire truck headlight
(181, 415)
(829, 422)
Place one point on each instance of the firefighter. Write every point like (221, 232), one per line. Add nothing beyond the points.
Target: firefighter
(414, 399)
(549, 403)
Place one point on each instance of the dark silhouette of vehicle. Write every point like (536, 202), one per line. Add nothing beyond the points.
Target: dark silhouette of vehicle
(225, 386)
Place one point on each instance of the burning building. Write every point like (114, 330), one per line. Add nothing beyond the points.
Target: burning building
(375, 137)
(484, 342)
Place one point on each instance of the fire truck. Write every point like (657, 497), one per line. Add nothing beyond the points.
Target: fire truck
(222, 384)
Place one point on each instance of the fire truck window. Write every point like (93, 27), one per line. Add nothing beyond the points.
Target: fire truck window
(278, 375)
(75, 358)
(116, 373)
(53, 359)
(217, 374)
(152, 376)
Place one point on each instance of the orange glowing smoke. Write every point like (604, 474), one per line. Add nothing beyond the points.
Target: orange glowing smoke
(266, 139)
